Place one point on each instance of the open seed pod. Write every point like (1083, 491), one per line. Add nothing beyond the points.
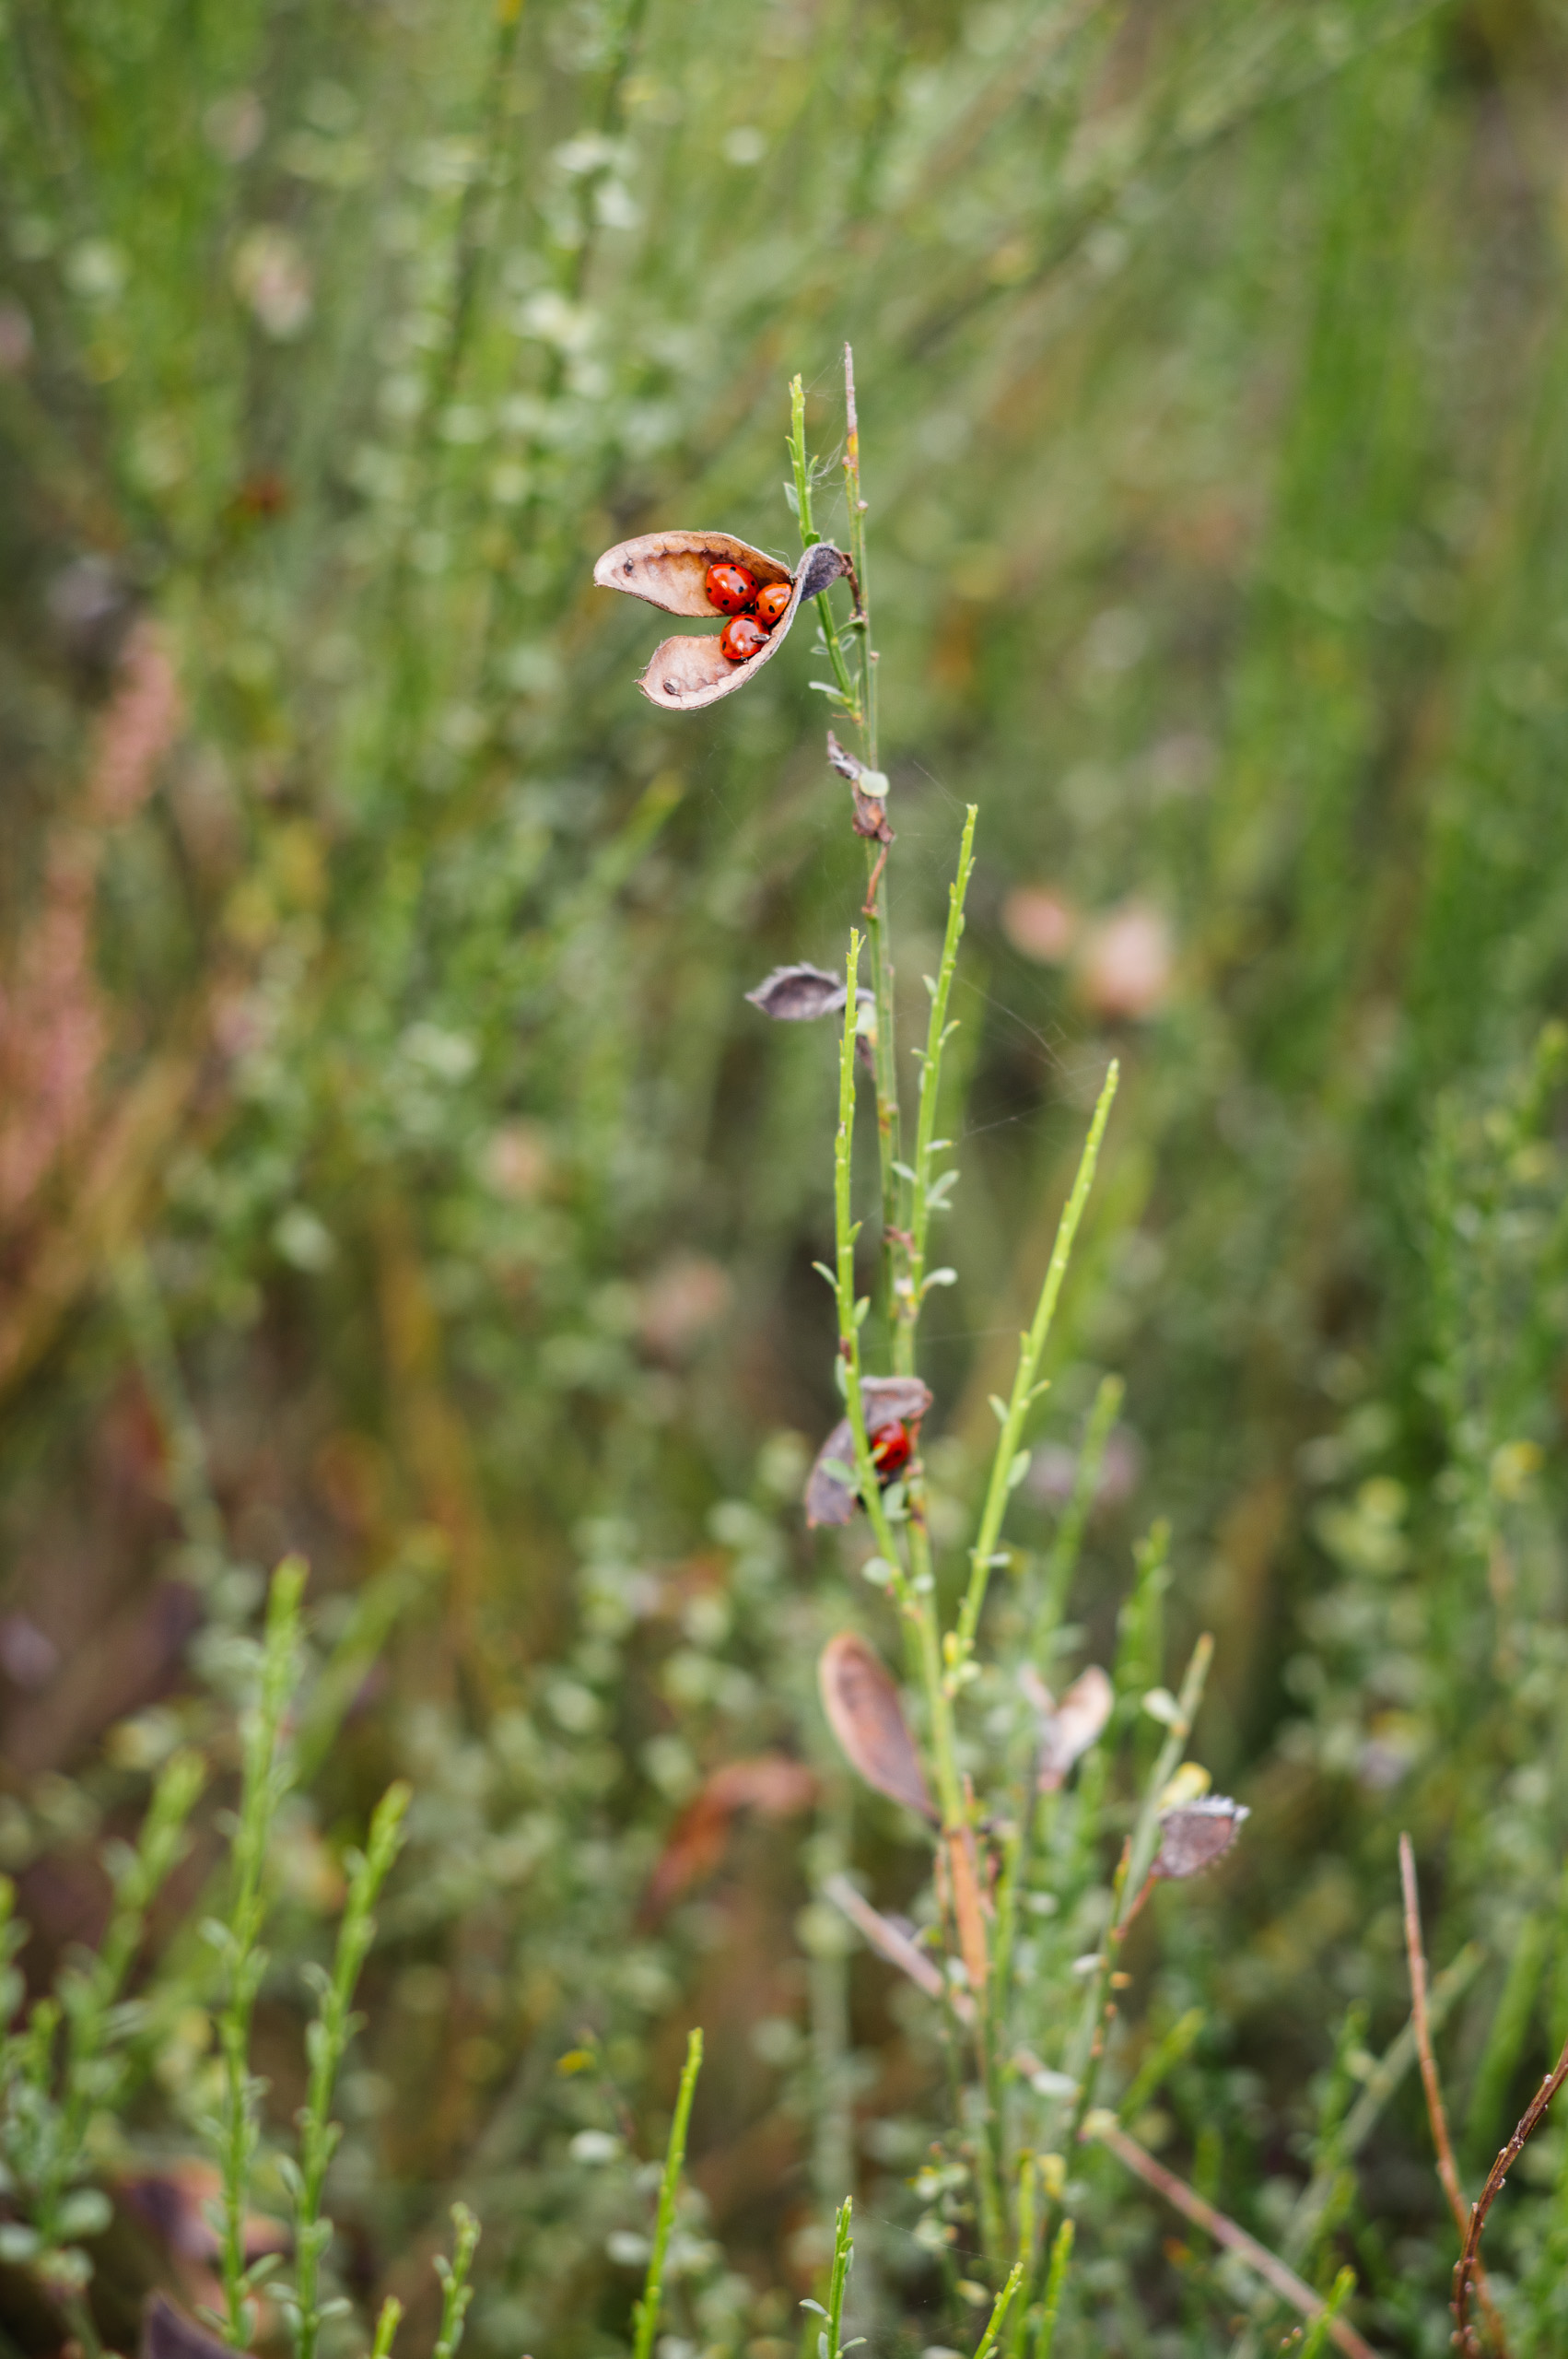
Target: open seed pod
(887, 1401)
(1195, 1834)
(864, 1713)
(669, 569)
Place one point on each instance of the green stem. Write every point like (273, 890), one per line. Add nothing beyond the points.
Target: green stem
(926, 1144)
(647, 2318)
(1009, 1463)
(1084, 2056)
(999, 2309)
(843, 2254)
(456, 2291)
(1061, 2255)
(265, 1779)
(801, 466)
(327, 2040)
(914, 1589)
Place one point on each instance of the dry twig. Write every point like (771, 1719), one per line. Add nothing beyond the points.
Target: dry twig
(1225, 2231)
(1447, 2169)
(1467, 2270)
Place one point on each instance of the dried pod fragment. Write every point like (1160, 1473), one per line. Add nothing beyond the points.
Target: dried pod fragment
(797, 994)
(1070, 1727)
(669, 569)
(887, 1401)
(1195, 1834)
(869, 789)
(864, 1711)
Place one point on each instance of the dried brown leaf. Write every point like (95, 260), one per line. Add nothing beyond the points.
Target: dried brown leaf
(1195, 1834)
(887, 1401)
(669, 569)
(865, 1715)
(771, 1783)
(797, 994)
(1070, 1727)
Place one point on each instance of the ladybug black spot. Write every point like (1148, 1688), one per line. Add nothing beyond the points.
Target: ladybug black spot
(630, 565)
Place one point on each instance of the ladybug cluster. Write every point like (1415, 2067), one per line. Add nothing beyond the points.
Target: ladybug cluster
(753, 612)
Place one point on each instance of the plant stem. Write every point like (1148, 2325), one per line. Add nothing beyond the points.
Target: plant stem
(266, 1780)
(1010, 1463)
(843, 2254)
(1000, 2308)
(1055, 2283)
(456, 2291)
(914, 1589)
(646, 2318)
(910, 1300)
(328, 2038)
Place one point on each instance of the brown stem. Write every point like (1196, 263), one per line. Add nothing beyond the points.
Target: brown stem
(1469, 2264)
(1447, 2169)
(1225, 2231)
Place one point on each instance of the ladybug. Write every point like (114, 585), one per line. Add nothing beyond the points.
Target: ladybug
(729, 588)
(773, 603)
(892, 1448)
(741, 637)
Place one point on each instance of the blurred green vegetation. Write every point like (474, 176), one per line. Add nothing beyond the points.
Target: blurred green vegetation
(391, 1170)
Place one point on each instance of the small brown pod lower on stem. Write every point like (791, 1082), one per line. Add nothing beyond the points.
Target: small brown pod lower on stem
(669, 569)
(865, 1715)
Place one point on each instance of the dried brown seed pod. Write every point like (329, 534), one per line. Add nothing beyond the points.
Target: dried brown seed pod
(797, 994)
(1070, 1727)
(865, 1715)
(669, 569)
(887, 1401)
(1195, 1834)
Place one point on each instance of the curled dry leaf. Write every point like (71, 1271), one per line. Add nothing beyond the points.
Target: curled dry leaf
(865, 1715)
(669, 569)
(887, 1401)
(1070, 1727)
(797, 994)
(1195, 1834)
(771, 1784)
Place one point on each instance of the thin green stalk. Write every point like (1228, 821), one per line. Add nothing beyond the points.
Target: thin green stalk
(265, 1777)
(918, 1177)
(800, 466)
(914, 1588)
(1010, 1462)
(1028, 2223)
(646, 2320)
(326, 2042)
(1000, 2308)
(837, 2284)
(1056, 2285)
(1322, 2325)
(855, 506)
(456, 2291)
(1084, 2055)
(387, 2325)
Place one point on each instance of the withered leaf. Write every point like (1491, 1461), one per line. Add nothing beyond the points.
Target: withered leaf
(1195, 1834)
(771, 1784)
(168, 2333)
(1070, 1727)
(669, 569)
(796, 994)
(887, 1401)
(864, 1713)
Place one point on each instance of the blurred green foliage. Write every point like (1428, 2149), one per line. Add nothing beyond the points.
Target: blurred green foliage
(389, 1168)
